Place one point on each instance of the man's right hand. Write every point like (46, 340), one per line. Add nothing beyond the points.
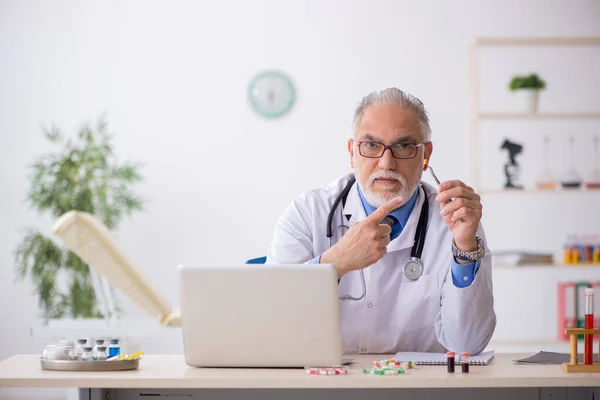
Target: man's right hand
(365, 242)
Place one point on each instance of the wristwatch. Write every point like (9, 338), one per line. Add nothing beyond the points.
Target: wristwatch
(469, 255)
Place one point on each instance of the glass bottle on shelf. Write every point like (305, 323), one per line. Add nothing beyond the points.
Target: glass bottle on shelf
(87, 354)
(100, 353)
(571, 179)
(81, 343)
(113, 348)
(546, 179)
(593, 179)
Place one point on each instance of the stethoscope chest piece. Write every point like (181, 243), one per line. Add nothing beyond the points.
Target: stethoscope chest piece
(413, 269)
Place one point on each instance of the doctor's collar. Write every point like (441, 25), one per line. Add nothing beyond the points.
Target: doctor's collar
(401, 214)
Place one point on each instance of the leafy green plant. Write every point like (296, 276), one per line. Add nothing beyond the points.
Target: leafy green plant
(83, 175)
(531, 81)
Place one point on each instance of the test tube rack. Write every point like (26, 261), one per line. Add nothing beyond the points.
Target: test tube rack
(574, 365)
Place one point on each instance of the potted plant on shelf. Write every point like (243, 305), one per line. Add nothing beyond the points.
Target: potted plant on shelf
(84, 175)
(527, 87)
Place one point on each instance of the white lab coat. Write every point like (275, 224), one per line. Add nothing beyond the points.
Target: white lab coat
(430, 314)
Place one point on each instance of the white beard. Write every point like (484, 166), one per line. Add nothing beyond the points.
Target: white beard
(377, 199)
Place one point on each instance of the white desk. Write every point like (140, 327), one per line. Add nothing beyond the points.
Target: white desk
(159, 375)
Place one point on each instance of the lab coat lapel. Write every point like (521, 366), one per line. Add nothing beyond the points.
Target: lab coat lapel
(354, 212)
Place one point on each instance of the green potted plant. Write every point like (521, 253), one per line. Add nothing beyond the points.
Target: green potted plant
(527, 87)
(82, 174)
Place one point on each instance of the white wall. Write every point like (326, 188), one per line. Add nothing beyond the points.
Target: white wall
(172, 78)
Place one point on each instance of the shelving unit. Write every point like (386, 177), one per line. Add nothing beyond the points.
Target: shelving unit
(476, 116)
(532, 289)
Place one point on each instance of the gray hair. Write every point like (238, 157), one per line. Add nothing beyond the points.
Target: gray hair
(394, 96)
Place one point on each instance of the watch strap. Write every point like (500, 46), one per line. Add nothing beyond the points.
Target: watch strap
(469, 255)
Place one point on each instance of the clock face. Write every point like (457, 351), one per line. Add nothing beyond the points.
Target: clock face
(271, 94)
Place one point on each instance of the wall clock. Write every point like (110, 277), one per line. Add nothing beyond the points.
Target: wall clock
(271, 94)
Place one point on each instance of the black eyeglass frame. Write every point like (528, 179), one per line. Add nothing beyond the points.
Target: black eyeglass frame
(391, 149)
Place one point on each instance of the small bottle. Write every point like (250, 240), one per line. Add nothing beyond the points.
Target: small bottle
(100, 354)
(465, 359)
(451, 360)
(589, 253)
(87, 354)
(596, 254)
(79, 349)
(97, 343)
(568, 251)
(113, 348)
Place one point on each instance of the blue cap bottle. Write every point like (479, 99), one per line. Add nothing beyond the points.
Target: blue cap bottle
(113, 348)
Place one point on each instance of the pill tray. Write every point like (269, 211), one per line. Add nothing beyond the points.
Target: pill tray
(77, 365)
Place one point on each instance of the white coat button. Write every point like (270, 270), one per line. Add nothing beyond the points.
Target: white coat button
(466, 278)
(370, 305)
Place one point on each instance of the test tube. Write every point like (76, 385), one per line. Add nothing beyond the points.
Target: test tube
(588, 344)
(451, 360)
(465, 359)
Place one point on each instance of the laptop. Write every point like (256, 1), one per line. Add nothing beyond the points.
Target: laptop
(260, 315)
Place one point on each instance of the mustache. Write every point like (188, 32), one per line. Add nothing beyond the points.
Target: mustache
(386, 175)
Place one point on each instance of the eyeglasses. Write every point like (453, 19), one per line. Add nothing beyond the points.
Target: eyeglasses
(399, 150)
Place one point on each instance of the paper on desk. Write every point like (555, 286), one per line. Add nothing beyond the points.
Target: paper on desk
(550, 358)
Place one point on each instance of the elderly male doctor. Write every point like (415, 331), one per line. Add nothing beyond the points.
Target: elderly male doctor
(448, 306)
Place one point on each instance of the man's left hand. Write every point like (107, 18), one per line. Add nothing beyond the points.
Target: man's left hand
(461, 210)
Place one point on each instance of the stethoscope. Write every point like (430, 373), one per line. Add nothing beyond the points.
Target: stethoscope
(413, 269)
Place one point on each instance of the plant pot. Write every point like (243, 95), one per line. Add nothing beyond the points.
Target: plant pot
(528, 99)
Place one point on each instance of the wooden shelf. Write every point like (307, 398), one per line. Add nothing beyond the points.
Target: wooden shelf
(534, 116)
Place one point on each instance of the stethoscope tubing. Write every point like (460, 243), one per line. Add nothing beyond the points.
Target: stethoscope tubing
(413, 269)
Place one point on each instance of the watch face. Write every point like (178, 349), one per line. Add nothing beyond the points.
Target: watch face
(271, 94)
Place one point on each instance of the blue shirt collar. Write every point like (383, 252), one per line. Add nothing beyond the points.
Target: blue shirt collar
(401, 214)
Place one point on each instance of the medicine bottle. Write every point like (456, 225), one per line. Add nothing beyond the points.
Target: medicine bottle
(113, 348)
(100, 354)
(79, 348)
(451, 360)
(87, 354)
(465, 360)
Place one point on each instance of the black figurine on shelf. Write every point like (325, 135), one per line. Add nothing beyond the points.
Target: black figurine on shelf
(512, 168)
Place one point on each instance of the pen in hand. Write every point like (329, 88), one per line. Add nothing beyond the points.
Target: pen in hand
(435, 178)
